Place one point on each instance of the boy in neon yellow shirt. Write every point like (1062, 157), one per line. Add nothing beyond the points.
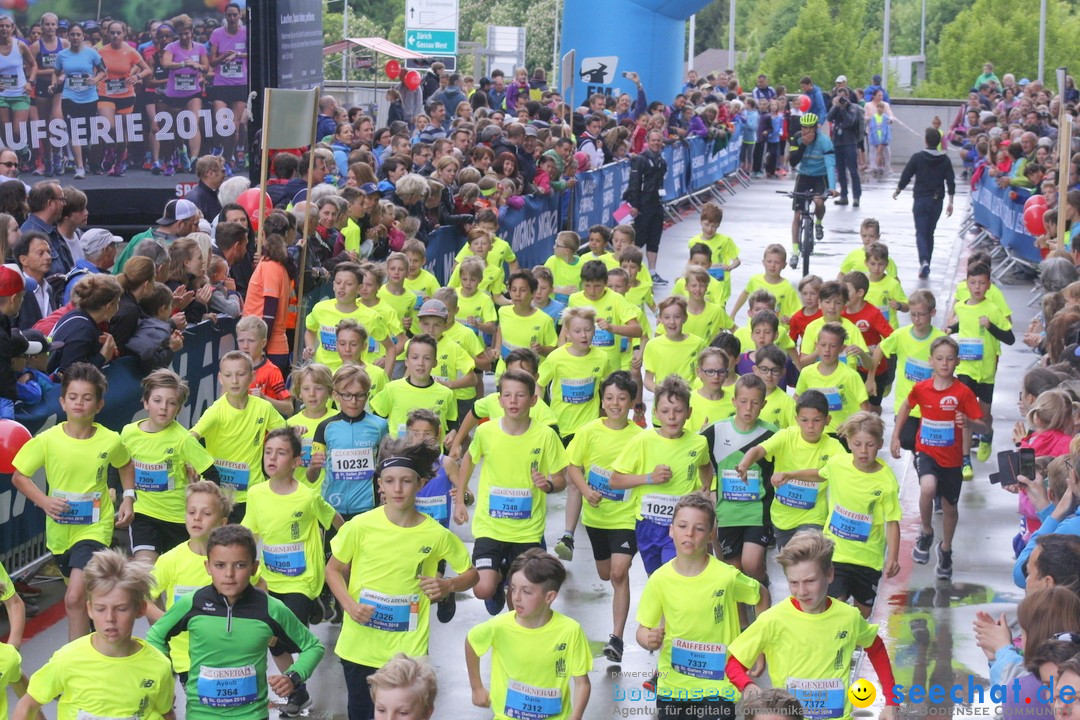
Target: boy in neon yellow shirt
(285, 517)
(535, 650)
(638, 292)
(76, 455)
(418, 389)
(869, 233)
(616, 318)
(787, 299)
(670, 458)
(323, 320)
(572, 373)
(886, 293)
(370, 305)
(844, 390)
(701, 256)
(476, 309)
(609, 515)
(393, 291)
(833, 299)
(315, 384)
(864, 513)
(483, 357)
(234, 428)
(599, 237)
(623, 238)
(162, 450)
(419, 281)
(725, 253)
(980, 327)
(674, 352)
(109, 673)
(521, 324)
(352, 343)
(770, 364)
(704, 318)
(760, 301)
(993, 292)
(521, 462)
(501, 253)
(798, 504)
(689, 611)
(565, 265)
(493, 277)
(453, 365)
(808, 639)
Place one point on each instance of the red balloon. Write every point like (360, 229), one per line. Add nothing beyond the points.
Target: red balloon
(22, 5)
(12, 437)
(249, 200)
(393, 69)
(1033, 201)
(804, 103)
(412, 80)
(1033, 220)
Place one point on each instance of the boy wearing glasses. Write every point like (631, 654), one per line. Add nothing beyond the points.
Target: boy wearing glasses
(744, 530)
(770, 364)
(346, 446)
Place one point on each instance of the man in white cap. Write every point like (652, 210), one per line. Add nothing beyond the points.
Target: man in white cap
(99, 254)
(180, 219)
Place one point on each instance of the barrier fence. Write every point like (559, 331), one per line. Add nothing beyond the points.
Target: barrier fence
(530, 230)
(1003, 217)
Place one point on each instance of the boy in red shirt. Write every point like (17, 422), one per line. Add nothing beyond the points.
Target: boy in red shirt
(808, 293)
(948, 406)
(874, 326)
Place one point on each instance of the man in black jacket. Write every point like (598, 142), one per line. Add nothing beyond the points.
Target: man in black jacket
(643, 194)
(933, 173)
(845, 137)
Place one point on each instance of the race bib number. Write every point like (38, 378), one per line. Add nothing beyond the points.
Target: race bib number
(510, 503)
(185, 83)
(227, 687)
(47, 62)
(180, 591)
(916, 370)
(353, 464)
(624, 343)
(328, 337)
(850, 525)
(152, 477)
(600, 480)
(937, 433)
(77, 82)
(83, 508)
(288, 560)
(659, 508)
(697, 659)
(305, 451)
(83, 715)
(435, 506)
(798, 494)
(233, 69)
(820, 698)
(717, 273)
(970, 349)
(233, 474)
(115, 86)
(393, 613)
(9, 82)
(603, 338)
(525, 702)
(885, 310)
(734, 488)
(832, 394)
(578, 391)
(372, 344)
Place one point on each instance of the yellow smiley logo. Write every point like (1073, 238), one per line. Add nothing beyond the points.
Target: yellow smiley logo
(862, 694)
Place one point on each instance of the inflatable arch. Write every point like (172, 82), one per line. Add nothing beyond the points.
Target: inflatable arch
(611, 37)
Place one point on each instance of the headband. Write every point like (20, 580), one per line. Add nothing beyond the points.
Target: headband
(398, 462)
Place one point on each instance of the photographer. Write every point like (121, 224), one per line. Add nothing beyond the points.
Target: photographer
(846, 121)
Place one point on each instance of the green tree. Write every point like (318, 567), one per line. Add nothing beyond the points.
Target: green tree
(823, 43)
(1006, 33)
(359, 26)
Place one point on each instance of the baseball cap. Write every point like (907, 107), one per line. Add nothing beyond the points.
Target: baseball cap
(490, 133)
(1023, 82)
(369, 188)
(176, 210)
(433, 308)
(987, 116)
(530, 131)
(95, 240)
(841, 78)
(38, 343)
(11, 282)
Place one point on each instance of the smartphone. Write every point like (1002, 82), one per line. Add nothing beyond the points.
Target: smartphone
(1008, 468)
(1027, 463)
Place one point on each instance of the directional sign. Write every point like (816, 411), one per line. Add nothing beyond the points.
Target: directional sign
(431, 26)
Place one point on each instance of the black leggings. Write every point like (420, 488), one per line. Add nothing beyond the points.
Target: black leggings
(360, 704)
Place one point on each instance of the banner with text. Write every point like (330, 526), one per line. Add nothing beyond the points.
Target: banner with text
(1003, 218)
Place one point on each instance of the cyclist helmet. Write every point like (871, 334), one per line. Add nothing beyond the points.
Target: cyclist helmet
(808, 119)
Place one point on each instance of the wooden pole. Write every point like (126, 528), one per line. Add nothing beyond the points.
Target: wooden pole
(1064, 144)
(264, 167)
(297, 345)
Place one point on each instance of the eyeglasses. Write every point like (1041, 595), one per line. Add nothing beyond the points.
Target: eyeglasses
(714, 372)
(770, 370)
(351, 397)
(9, 164)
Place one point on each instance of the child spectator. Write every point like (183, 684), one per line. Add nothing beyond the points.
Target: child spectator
(155, 340)
(268, 298)
(226, 301)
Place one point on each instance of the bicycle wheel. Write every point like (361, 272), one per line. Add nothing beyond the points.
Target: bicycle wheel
(807, 243)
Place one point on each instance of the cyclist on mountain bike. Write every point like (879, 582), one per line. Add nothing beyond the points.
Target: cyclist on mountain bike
(817, 172)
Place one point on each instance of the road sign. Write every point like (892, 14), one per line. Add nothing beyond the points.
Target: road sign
(449, 62)
(431, 26)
